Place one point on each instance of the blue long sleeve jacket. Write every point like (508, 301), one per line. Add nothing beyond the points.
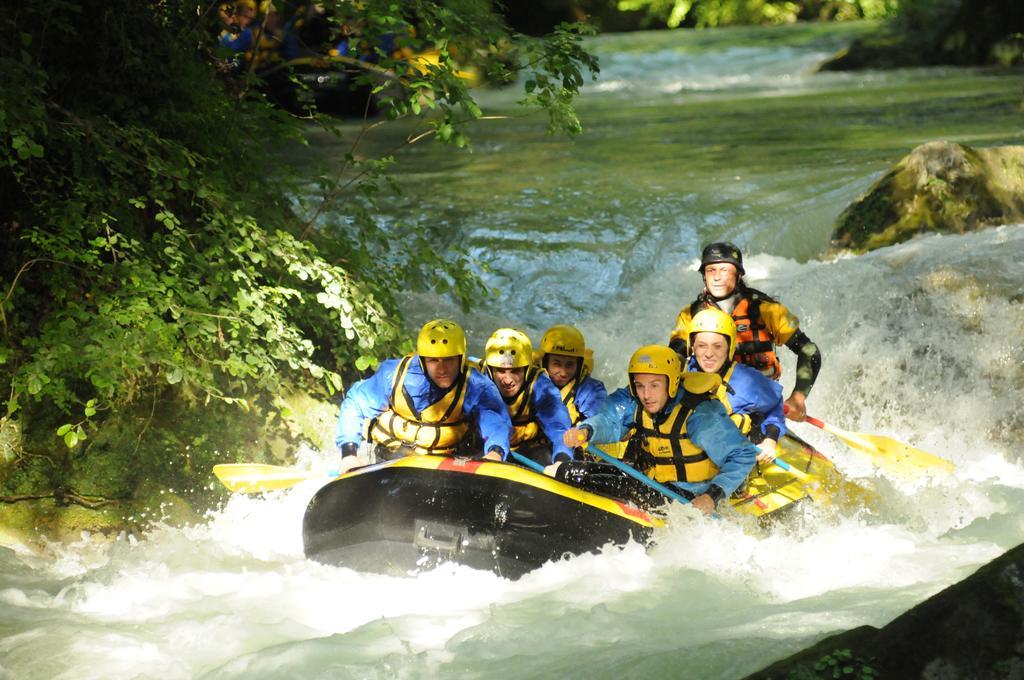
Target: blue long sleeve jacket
(369, 398)
(708, 427)
(590, 396)
(546, 401)
(751, 392)
(242, 42)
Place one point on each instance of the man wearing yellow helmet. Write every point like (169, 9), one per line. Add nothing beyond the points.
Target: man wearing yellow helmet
(762, 323)
(563, 354)
(752, 400)
(424, 403)
(539, 418)
(680, 433)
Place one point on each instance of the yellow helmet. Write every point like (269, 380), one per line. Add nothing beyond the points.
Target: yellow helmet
(713, 320)
(659, 360)
(441, 338)
(508, 348)
(563, 339)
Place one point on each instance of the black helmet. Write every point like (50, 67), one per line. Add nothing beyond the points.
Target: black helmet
(721, 252)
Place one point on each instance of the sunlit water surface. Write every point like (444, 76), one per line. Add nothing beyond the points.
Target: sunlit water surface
(688, 139)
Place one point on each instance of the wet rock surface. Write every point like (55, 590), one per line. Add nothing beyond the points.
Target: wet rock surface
(938, 187)
(973, 629)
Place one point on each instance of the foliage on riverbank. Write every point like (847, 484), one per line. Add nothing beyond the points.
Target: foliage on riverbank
(933, 32)
(710, 13)
(166, 275)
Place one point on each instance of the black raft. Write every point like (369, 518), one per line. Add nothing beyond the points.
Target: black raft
(415, 512)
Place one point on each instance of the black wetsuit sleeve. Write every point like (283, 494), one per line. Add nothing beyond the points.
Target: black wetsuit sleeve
(771, 432)
(808, 362)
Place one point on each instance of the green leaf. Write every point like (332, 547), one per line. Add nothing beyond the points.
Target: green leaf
(174, 375)
(71, 439)
(64, 429)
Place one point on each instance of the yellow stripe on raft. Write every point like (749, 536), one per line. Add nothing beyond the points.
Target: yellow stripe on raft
(519, 475)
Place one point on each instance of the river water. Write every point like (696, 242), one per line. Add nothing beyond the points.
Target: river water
(689, 138)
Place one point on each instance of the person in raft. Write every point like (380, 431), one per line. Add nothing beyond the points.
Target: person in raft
(424, 403)
(563, 354)
(753, 401)
(539, 418)
(681, 435)
(762, 323)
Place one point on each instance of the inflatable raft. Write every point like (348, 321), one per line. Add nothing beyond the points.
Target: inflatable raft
(418, 511)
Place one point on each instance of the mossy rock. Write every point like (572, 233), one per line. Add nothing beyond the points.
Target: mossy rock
(309, 419)
(32, 523)
(970, 630)
(144, 465)
(939, 187)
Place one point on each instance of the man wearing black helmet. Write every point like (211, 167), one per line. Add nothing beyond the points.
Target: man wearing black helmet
(762, 323)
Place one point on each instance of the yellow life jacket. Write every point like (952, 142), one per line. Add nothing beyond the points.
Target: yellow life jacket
(569, 392)
(525, 427)
(437, 429)
(669, 453)
(569, 399)
(742, 420)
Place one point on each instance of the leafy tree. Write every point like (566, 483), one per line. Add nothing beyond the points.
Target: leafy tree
(706, 13)
(161, 257)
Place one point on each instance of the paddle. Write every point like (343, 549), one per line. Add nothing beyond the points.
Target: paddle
(533, 465)
(257, 478)
(639, 476)
(893, 455)
(799, 474)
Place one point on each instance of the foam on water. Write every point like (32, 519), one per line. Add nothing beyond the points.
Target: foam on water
(918, 345)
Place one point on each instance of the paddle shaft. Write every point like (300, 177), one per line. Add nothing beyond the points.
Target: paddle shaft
(639, 476)
(533, 465)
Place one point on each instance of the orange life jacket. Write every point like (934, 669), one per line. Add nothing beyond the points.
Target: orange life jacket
(754, 344)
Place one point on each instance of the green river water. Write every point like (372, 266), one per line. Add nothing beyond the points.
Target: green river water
(724, 134)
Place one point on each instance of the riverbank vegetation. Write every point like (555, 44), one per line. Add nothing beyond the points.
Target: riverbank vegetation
(910, 32)
(167, 279)
(935, 32)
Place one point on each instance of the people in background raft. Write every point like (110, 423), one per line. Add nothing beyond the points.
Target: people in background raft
(424, 403)
(753, 401)
(762, 323)
(679, 433)
(256, 33)
(563, 354)
(539, 418)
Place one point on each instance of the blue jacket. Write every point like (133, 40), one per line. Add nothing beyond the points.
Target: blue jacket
(751, 392)
(550, 412)
(242, 42)
(590, 395)
(369, 398)
(708, 427)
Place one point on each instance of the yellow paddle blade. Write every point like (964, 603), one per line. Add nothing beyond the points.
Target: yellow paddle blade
(891, 454)
(256, 478)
